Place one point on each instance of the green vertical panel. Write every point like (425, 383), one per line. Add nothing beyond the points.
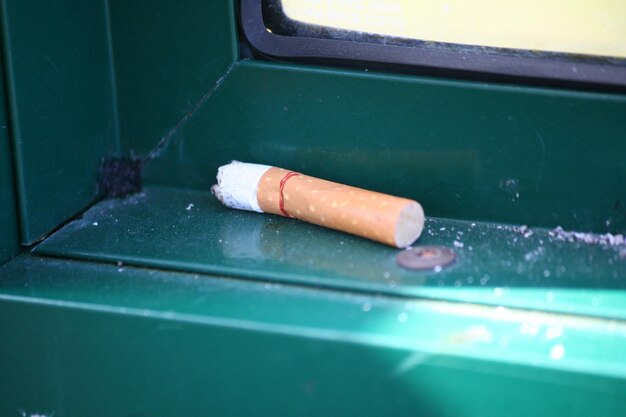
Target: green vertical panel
(467, 150)
(62, 105)
(167, 54)
(9, 239)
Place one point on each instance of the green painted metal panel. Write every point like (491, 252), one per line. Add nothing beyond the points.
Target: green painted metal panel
(191, 231)
(518, 326)
(167, 54)
(468, 150)
(9, 233)
(152, 342)
(62, 105)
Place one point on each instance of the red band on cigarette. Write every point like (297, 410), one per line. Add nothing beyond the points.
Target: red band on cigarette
(281, 200)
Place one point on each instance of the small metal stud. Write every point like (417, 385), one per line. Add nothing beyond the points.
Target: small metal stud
(423, 258)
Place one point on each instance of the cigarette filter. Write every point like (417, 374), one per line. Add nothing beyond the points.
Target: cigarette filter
(384, 218)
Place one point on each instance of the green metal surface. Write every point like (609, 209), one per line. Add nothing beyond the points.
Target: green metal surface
(466, 150)
(311, 321)
(167, 53)
(158, 343)
(9, 233)
(191, 231)
(62, 105)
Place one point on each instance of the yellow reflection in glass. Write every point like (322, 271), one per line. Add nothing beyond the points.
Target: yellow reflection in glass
(588, 27)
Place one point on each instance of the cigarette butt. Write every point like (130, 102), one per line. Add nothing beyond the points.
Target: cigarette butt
(394, 221)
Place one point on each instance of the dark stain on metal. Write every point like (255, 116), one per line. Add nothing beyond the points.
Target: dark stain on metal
(119, 176)
(423, 258)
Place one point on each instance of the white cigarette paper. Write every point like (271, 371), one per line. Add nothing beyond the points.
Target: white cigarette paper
(384, 218)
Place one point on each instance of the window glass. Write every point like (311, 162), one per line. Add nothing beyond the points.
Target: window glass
(580, 27)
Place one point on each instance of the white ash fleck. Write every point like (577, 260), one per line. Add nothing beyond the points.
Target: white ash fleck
(533, 255)
(120, 263)
(510, 186)
(607, 239)
(95, 223)
(36, 414)
(524, 231)
(557, 352)
(442, 229)
(189, 207)
(554, 332)
(457, 244)
(473, 225)
(387, 274)
(437, 269)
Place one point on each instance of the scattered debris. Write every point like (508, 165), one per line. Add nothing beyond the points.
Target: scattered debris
(524, 231)
(95, 223)
(533, 255)
(457, 244)
(511, 187)
(189, 207)
(590, 238)
(35, 414)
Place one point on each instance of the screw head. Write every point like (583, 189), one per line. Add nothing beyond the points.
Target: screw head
(421, 258)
